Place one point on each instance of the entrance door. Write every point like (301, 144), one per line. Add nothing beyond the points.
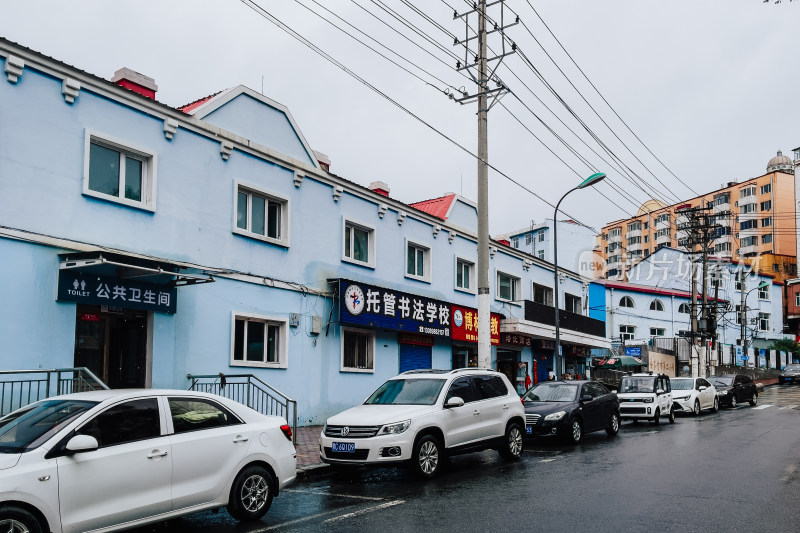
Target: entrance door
(112, 345)
(413, 357)
(507, 364)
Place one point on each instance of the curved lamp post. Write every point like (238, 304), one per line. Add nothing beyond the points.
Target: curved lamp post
(588, 182)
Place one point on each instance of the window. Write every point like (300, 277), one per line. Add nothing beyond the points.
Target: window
(515, 242)
(766, 188)
(646, 238)
(489, 386)
(646, 225)
(572, 303)
(738, 315)
(627, 332)
(418, 260)
(656, 305)
(359, 244)
(658, 332)
(635, 226)
(763, 293)
(118, 172)
(528, 238)
(261, 215)
(634, 240)
(540, 254)
(190, 414)
(461, 388)
(358, 348)
(797, 299)
(766, 206)
(626, 301)
(542, 295)
(616, 232)
(722, 247)
(748, 191)
(465, 270)
(766, 222)
(507, 287)
(685, 308)
(748, 224)
(739, 279)
(748, 241)
(763, 321)
(722, 199)
(259, 341)
(747, 208)
(541, 236)
(127, 422)
(766, 239)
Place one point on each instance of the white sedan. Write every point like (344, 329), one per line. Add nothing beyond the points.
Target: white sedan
(691, 395)
(114, 459)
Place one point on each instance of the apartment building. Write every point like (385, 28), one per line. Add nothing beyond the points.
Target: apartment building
(756, 219)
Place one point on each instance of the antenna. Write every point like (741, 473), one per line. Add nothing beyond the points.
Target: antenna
(262, 85)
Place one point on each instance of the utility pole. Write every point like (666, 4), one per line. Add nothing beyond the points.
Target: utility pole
(482, 79)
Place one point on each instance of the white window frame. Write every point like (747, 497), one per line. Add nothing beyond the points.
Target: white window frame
(370, 263)
(763, 293)
(370, 347)
(663, 332)
(239, 186)
(149, 161)
(761, 318)
(628, 336)
(515, 287)
(655, 302)
(632, 306)
(688, 306)
(547, 296)
(473, 289)
(283, 340)
(426, 260)
(797, 299)
(541, 236)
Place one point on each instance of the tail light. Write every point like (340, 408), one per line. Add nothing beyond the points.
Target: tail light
(287, 430)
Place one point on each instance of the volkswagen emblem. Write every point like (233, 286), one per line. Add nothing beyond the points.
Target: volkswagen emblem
(345, 431)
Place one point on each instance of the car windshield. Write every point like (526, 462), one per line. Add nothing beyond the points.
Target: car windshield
(407, 392)
(792, 368)
(721, 381)
(682, 384)
(552, 392)
(637, 384)
(29, 427)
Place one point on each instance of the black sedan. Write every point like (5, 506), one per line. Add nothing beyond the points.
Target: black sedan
(568, 409)
(733, 389)
(790, 374)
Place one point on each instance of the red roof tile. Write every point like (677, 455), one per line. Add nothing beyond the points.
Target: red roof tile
(197, 103)
(438, 207)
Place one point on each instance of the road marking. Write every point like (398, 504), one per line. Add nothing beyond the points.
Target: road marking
(293, 522)
(548, 460)
(324, 493)
(789, 472)
(762, 407)
(788, 407)
(360, 512)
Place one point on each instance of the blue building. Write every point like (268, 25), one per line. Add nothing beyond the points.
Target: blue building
(147, 242)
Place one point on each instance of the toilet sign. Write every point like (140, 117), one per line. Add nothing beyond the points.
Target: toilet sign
(122, 293)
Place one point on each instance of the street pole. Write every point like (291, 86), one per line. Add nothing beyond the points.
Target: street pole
(484, 311)
(704, 312)
(742, 314)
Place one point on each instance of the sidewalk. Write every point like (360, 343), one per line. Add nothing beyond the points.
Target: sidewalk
(308, 450)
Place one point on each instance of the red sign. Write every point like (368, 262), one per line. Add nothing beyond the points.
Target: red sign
(90, 317)
(464, 324)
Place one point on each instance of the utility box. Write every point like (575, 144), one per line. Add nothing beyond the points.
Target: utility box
(294, 320)
(316, 325)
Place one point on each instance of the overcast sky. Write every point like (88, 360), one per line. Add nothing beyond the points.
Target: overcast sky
(710, 86)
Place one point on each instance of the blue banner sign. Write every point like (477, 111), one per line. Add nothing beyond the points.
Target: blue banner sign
(633, 351)
(377, 307)
(94, 289)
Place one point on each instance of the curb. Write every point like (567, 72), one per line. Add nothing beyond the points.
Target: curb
(313, 471)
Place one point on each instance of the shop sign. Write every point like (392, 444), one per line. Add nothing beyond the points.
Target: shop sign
(102, 290)
(465, 324)
(90, 317)
(414, 338)
(633, 351)
(547, 344)
(515, 339)
(367, 305)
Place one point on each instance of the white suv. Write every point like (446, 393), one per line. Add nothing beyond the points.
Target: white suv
(420, 416)
(645, 396)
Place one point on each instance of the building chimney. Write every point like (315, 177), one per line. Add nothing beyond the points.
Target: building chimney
(380, 188)
(138, 83)
(323, 160)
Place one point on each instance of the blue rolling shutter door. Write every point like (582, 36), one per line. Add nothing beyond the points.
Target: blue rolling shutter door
(413, 357)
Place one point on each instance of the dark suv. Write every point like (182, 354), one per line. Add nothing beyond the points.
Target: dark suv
(733, 389)
(790, 374)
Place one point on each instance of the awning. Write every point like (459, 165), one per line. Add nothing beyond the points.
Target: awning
(143, 269)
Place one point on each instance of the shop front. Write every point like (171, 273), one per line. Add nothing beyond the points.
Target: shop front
(510, 360)
(464, 335)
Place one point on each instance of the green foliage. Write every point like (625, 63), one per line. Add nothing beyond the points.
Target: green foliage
(785, 345)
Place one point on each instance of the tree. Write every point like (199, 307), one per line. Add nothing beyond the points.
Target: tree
(785, 345)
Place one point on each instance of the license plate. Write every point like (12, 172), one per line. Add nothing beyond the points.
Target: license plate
(529, 430)
(343, 447)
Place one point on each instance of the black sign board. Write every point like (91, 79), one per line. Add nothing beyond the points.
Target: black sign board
(74, 286)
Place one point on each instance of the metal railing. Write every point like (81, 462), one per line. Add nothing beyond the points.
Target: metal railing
(19, 388)
(250, 391)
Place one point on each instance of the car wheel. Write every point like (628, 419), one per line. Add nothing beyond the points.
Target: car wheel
(426, 459)
(512, 447)
(613, 425)
(733, 401)
(576, 431)
(657, 418)
(18, 520)
(696, 410)
(672, 415)
(251, 493)
(716, 405)
(754, 400)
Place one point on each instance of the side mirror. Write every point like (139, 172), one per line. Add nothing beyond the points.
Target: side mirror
(702, 388)
(82, 443)
(586, 398)
(455, 401)
(660, 391)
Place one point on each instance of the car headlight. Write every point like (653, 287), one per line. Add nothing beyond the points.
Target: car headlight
(681, 398)
(647, 400)
(722, 392)
(394, 429)
(556, 416)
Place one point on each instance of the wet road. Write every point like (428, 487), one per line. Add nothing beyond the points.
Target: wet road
(736, 470)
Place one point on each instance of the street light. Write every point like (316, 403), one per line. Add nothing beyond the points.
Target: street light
(743, 308)
(588, 182)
